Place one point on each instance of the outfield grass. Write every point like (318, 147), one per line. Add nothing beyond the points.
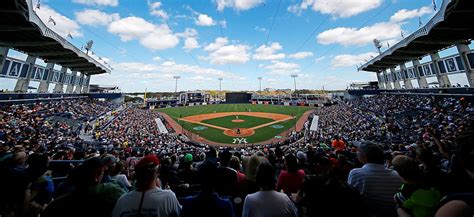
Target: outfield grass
(212, 134)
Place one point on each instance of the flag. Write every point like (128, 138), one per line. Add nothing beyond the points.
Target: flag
(434, 5)
(401, 33)
(69, 35)
(38, 5)
(388, 45)
(419, 22)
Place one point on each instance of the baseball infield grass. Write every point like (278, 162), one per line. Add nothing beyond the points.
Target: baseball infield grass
(216, 135)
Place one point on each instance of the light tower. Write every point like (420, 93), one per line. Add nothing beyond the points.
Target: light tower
(294, 76)
(176, 77)
(220, 87)
(260, 82)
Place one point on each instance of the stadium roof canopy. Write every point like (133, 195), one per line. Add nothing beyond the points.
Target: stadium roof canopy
(22, 30)
(452, 24)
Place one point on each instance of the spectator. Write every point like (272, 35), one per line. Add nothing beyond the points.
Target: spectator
(268, 202)
(291, 179)
(207, 202)
(376, 183)
(148, 199)
(90, 197)
(416, 198)
(322, 194)
(228, 177)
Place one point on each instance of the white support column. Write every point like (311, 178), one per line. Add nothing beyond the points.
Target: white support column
(388, 85)
(396, 83)
(70, 87)
(78, 88)
(463, 49)
(422, 83)
(23, 83)
(407, 80)
(379, 79)
(85, 86)
(59, 88)
(44, 85)
(443, 79)
(3, 56)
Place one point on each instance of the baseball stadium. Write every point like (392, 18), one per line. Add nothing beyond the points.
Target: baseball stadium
(225, 108)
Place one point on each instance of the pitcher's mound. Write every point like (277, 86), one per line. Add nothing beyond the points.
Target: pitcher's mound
(238, 120)
(243, 132)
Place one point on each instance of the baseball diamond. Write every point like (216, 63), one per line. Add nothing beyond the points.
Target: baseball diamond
(226, 122)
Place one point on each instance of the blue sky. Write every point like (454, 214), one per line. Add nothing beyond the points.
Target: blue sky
(147, 42)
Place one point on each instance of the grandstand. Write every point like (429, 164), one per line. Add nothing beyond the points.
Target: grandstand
(398, 146)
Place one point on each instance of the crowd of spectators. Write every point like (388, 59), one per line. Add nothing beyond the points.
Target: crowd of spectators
(386, 155)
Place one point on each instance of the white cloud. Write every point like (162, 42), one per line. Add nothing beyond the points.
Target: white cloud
(95, 17)
(240, 5)
(155, 10)
(170, 68)
(155, 37)
(342, 9)
(405, 14)
(268, 52)
(188, 33)
(190, 43)
(63, 26)
(260, 29)
(346, 60)
(157, 59)
(319, 59)
(301, 55)
(98, 2)
(363, 36)
(223, 23)
(221, 53)
(282, 68)
(205, 20)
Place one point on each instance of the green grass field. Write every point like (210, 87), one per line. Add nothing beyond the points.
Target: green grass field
(212, 134)
(249, 121)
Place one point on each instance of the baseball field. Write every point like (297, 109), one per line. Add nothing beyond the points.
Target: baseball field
(236, 123)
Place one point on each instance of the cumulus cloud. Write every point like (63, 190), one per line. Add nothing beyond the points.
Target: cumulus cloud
(112, 3)
(346, 60)
(363, 36)
(239, 5)
(301, 55)
(282, 68)
(265, 52)
(155, 10)
(220, 52)
(157, 59)
(204, 20)
(63, 26)
(384, 31)
(170, 68)
(190, 44)
(341, 9)
(95, 17)
(405, 14)
(155, 37)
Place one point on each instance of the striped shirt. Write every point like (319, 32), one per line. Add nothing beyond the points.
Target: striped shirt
(377, 185)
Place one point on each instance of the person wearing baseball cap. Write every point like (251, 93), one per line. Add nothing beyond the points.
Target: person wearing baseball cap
(148, 199)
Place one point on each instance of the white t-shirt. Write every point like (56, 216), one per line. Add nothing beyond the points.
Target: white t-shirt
(268, 203)
(122, 178)
(157, 202)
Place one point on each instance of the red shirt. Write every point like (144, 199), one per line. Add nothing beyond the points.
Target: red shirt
(290, 182)
(338, 145)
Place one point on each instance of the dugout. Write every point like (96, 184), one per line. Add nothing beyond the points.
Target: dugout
(238, 97)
